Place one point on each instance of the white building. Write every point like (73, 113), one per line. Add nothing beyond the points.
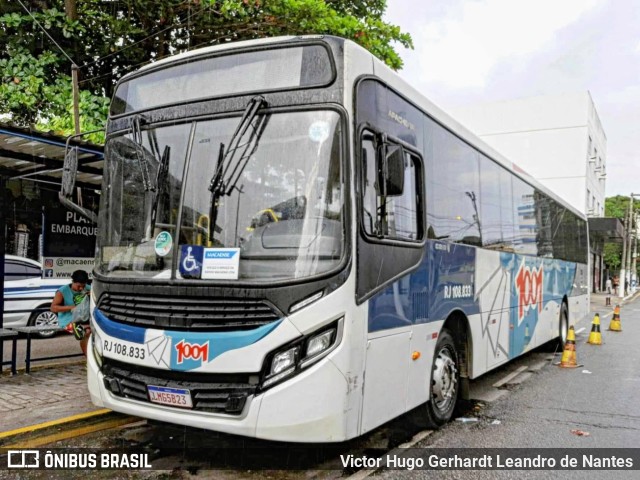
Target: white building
(557, 139)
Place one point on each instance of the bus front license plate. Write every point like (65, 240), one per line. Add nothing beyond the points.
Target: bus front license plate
(174, 397)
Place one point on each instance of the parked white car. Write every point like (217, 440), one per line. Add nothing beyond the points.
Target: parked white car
(28, 296)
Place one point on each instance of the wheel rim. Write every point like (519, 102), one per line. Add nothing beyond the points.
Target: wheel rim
(444, 380)
(48, 319)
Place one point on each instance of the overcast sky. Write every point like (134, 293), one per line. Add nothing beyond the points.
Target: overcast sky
(474, 51)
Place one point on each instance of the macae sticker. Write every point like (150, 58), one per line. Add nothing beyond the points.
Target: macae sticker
(163, 244)
(221, 264)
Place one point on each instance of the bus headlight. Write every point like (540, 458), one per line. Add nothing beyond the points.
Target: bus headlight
(284, 361)
(319, 343)
(96, 344)
(291, 359)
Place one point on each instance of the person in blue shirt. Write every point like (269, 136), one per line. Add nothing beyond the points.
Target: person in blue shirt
(66, 299)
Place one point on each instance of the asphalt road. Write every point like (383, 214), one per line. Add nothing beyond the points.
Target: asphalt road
(538, 406)
(600, 399)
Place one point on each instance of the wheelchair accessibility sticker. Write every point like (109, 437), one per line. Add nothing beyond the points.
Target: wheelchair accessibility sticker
(209, 263)
(191, 261)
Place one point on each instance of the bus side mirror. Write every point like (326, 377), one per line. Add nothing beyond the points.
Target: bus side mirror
(391, 170)
(69, 174)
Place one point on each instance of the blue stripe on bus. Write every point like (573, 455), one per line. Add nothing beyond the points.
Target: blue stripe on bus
(430, 294)
(218, 342)
(424, 295)
(117, 330)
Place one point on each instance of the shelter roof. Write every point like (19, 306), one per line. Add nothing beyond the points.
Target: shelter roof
(26, 153)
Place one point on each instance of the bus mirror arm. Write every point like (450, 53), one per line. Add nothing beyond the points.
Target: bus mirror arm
(77, 208)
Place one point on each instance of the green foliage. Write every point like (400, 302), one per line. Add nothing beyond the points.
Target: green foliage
(612, 255)
(617, 207)
(110, 39)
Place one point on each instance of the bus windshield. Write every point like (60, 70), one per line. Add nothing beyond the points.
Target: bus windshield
(282, 205)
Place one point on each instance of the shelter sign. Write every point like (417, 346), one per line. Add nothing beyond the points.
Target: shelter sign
(68, 244)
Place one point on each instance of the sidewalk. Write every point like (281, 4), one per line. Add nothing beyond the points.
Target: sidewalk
(599, 300)
(48, 393)
(60, 391)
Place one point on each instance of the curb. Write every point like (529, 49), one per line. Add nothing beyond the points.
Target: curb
(47, 432)
(6, 373)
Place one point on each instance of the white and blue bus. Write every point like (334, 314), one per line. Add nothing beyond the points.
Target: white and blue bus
(294, 244)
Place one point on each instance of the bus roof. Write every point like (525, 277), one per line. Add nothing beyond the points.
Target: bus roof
(216, 48)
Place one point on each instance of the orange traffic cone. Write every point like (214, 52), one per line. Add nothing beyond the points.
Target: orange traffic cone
(615, 325)
(595, 337)
(569, 354)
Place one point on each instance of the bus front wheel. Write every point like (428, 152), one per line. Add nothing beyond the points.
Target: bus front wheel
(444, 383)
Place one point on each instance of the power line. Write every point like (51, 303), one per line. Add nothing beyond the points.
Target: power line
(46, 33)
(121, 71)
(188, 17)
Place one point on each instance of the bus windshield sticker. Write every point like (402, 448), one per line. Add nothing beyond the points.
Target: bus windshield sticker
(191, 261)
(221, 264)
(319, 131)
(163, 244)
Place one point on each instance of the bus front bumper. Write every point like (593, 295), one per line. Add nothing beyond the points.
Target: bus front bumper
(311, 407)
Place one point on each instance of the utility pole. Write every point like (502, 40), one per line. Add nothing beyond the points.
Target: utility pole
(629, 244)
(626, 248)
(72, 14)
(76, 98)
(633, 270)
(476, 217)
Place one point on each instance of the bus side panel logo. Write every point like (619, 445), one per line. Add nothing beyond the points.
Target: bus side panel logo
(529, 289)
(192, 351)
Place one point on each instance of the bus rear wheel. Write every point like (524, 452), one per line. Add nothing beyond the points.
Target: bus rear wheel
(563, 326)
(444, 383)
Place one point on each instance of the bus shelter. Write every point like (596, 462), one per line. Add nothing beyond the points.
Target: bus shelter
(31, 165)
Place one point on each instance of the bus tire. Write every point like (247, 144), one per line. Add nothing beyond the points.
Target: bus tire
(444, 383)
(563, 326)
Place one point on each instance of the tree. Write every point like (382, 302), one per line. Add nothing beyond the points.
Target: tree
(616, 207)
(110, 39)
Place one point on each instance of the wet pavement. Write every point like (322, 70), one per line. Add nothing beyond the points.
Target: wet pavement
(54, 392)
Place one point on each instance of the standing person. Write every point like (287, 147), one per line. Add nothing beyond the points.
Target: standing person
(616, 282)
(66, 299)
(608, 285)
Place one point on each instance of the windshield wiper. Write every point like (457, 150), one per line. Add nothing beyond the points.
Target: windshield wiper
(229, 166)
(159, 188)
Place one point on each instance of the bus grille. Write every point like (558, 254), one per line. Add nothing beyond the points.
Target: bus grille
(218, 393)
(193, 313)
